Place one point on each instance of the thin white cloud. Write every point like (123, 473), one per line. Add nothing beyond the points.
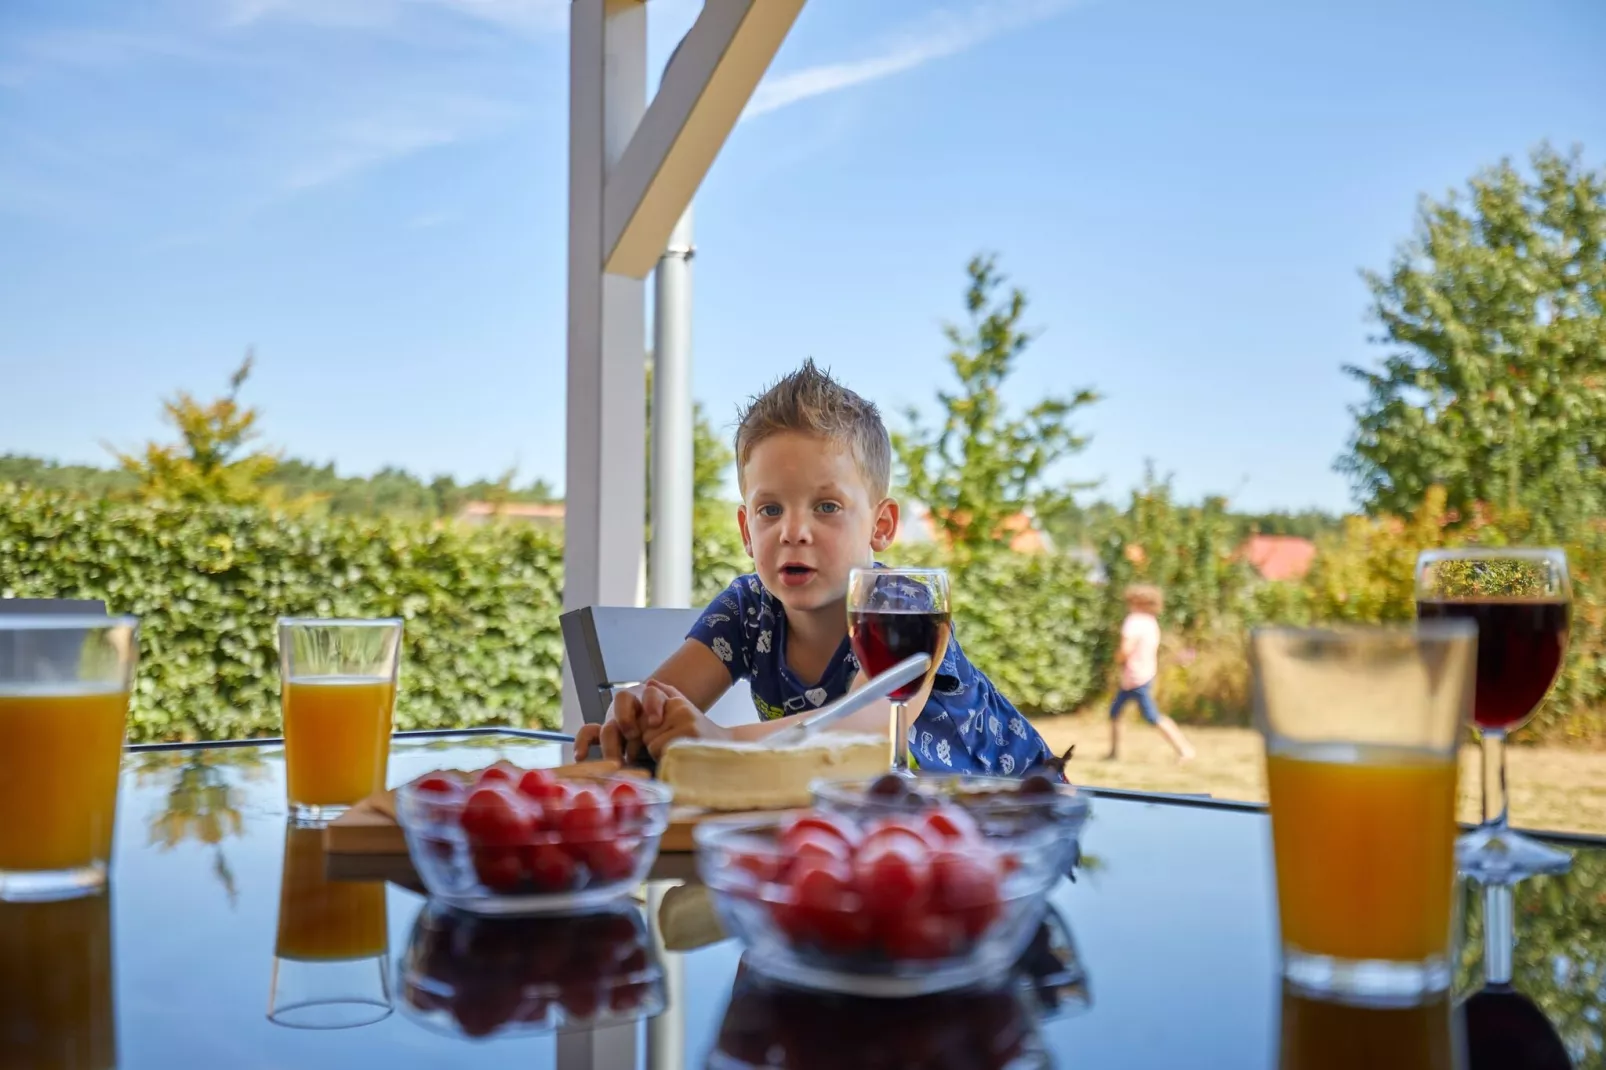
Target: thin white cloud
(944, 33)
(375, 140)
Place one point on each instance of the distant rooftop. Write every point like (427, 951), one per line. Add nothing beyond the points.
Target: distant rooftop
(1278, 557)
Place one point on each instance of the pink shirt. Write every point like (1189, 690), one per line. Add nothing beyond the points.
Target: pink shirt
(1140, 633)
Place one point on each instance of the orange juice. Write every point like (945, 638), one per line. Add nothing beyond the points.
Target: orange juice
(60, 752)
(1364, 839)
(1322, 1035)
(336, 738)
(321, 919)
(56, 986)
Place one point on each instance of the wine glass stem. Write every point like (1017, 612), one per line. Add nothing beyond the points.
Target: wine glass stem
(1498, 933)
(1494, 778)
(900, 737)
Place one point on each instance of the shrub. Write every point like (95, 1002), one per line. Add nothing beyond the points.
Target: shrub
(207, 582)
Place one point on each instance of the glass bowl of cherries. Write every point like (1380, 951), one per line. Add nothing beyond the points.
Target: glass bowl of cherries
(890, 906)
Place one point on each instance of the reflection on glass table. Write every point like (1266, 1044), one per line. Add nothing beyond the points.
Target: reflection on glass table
(771, 1026)
(475, 975)
(1318, 1034)
(330, 955)
(56, 993)
(1505, 1028)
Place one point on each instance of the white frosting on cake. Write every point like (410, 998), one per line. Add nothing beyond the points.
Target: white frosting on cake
(747, 775)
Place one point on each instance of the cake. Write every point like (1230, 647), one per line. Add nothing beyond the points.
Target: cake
(747, 775)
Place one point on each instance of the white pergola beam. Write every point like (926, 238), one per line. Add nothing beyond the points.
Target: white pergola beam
(605, 478)
(699, 100)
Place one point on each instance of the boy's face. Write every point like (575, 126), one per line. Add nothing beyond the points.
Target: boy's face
(808, 519)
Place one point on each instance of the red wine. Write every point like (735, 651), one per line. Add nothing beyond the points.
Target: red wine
(882, 639)
(1520, 646)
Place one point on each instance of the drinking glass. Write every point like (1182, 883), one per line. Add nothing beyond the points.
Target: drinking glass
(1361, 727)
(57, 990)
(338, 690)
(894, 614)
(64, 682)
(333, 944)
(1522, 602)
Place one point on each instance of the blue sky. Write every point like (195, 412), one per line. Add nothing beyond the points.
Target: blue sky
(371, 193)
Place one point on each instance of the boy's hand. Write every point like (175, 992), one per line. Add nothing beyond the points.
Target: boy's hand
(666, 715)
(619, 735)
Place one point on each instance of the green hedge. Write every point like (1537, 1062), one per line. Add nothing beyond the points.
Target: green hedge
(481, 637)
(481, 605)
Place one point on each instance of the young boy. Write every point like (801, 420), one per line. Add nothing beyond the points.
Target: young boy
(1139, 662)
(813, 465)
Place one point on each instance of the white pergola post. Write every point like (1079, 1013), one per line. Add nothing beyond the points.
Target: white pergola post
(604, 467)
(633, 170)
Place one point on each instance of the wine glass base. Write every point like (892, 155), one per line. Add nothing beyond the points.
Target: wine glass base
(1500, 855)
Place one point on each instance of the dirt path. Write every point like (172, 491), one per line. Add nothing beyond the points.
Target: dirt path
(1551, 787)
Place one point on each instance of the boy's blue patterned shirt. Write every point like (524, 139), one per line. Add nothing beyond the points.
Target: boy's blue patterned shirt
(966, 726)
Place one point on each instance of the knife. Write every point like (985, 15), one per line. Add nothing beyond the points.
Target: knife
(910, 668)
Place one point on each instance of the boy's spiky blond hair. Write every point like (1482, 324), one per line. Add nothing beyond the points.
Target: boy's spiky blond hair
(811, 402)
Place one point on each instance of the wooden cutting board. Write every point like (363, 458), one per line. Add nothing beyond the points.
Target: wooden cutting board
(370, 827)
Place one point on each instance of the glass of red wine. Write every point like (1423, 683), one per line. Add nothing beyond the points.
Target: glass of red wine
(893, 614)
(1521, 600)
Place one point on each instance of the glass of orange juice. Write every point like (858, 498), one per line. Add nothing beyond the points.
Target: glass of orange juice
(64, 684)
(57, 991)
(338, 692)
(332, 947)
(1361, 728)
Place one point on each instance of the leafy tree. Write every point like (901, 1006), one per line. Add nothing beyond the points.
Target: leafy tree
(983, 466)
(212, 463)
(77, 478)
(1495, 383)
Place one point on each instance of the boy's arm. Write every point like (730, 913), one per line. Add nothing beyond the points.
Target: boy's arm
(696, 672)
(693, 670)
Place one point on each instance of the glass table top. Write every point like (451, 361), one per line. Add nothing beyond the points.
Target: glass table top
(223, 938)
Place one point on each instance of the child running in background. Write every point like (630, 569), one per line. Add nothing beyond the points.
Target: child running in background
(1138, 660)
(813, 464)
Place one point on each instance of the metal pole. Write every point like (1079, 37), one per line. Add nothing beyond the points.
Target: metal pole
(672, 461)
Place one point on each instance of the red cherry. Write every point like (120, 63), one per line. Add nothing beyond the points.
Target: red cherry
(819, 823)
(551, 868)
(951, 824)
(438, 784)
(580, 1001)
(610, 860)
(764, 867)
(894, 832)
(498, 868)
(502, 772)
(967, 888)
(825, 906)
(540, 785)
(629, 808)
(497, 817)
(629, 996)
(585, 818)
(893, 876)
(811, 843)
(921, 935)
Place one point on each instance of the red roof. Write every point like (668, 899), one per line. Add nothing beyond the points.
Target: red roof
(1279, 557)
